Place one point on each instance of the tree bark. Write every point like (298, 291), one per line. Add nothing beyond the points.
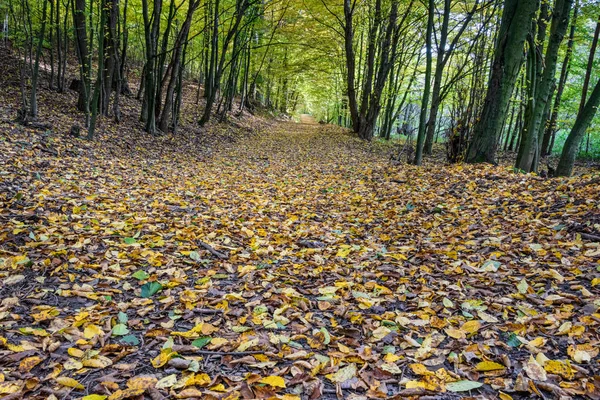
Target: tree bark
(583, 121)
(508, 57)
(529, 151)
(425, 100)
(81, 44)
(564, 74)
(33, 107)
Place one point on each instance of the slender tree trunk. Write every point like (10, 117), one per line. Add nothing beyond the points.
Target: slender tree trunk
(51, 40)
(33, 107)
(350, 63)
(82, 46)
(588, 72)
(98, 85)
(564, 74)
(425, 99)
(583, 121)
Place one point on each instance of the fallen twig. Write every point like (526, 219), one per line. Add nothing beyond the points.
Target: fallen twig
(208, 311)
(589, 236)
(212, 251)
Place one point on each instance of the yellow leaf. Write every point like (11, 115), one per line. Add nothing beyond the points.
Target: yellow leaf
(564, 328)
(10, 387)
(247, 344)
(92, 330)
(75, 352)
(217, 342)
(94, 397)
(125, 394)
(470, 327)
(391, 358)
(455, 333)
(163, 358)
(99, 362)
(420, 369)
(504, 396)
(343, 374)
(191, 393)
(562, 368)
(274, 381)
(344, 251)
(425, 350)
(69, 382)
(595, 281)
(72, 363)
(537, 342)
(27, 364)
(381, 332)
(489, 366)
(142, 382)
(167, 382)
(198, 380)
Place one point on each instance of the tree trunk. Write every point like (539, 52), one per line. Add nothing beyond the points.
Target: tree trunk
(350, 63)
(583, 121)
(529, 151)
(33, 107)
(98, 85)
(81, 45)
(564, 74)
(508, 57)
(425, 100)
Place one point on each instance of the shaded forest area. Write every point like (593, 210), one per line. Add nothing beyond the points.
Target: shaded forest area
(480, 76)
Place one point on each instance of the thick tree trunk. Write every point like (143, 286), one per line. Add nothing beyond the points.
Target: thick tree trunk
(529, 152)
(508, 57)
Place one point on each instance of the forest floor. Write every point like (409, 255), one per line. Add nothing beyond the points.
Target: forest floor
(295, 262)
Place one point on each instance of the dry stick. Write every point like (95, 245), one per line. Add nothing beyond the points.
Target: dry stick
(212, 251)
(589, 236)
(207, 311)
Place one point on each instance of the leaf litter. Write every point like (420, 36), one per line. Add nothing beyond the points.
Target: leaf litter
(297, 263)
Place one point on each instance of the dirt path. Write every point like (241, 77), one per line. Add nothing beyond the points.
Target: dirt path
(307, 119)
(287, 263)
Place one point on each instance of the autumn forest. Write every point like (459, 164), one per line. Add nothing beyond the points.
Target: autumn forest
(299, 199)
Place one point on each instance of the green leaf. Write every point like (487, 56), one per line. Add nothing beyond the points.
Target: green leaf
(201, 342)
(129, 240)
(149, 289)
(195, 256)
(130, 339)
(326, 335)
(513, 340)
(463, 386)
(491, 266)
(140, 275)
(523, 286)
(120, 330)
(122, 317)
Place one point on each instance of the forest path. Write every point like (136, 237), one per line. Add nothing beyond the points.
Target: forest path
(307, 119)
(281, 253)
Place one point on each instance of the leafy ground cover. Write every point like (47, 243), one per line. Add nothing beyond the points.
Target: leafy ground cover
(295, 263)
